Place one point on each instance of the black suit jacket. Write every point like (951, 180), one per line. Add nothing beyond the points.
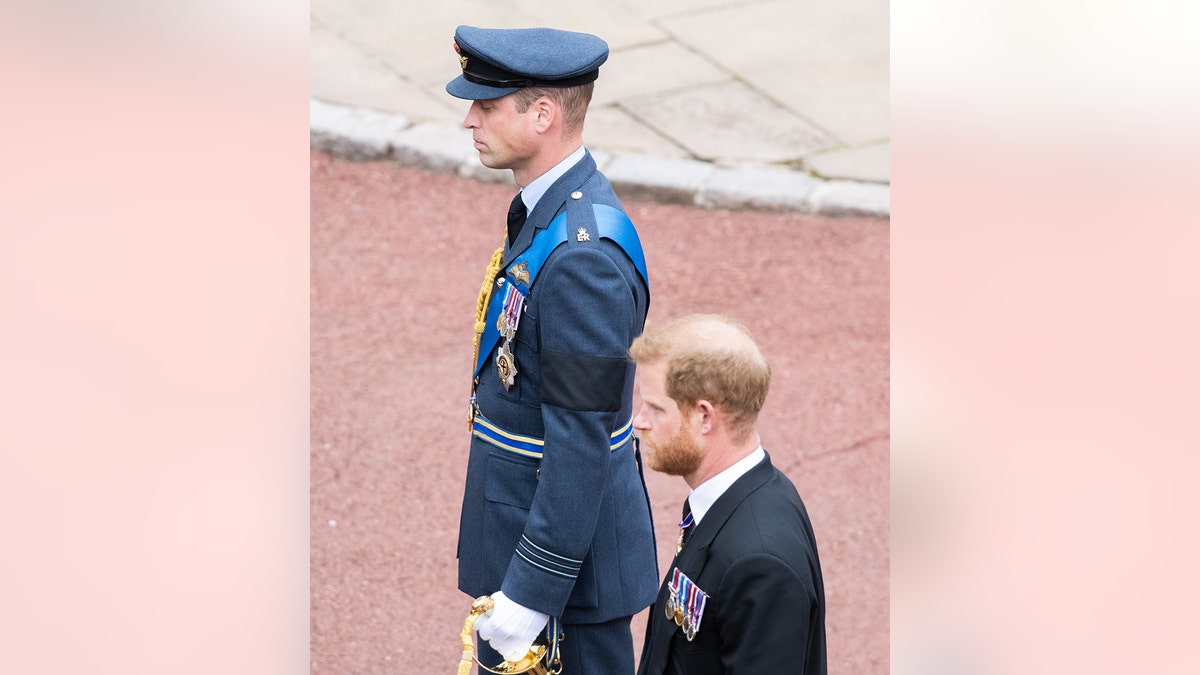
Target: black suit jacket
(755, 556)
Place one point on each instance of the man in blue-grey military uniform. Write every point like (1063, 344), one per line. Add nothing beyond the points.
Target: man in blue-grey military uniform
(555, 520)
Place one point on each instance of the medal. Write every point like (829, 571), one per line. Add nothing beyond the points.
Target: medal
(681, 598)
(506, 324)
(695, 611)
(673, 594)
(687, 522)
(685, 604)
(506, 366)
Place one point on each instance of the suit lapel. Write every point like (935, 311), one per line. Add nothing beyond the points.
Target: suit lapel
(722, 509)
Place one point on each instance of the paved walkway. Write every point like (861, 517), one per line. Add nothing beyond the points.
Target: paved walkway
(759, 104)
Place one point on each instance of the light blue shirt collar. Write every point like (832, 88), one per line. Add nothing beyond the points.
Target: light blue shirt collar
(533, 192)
(707, 493)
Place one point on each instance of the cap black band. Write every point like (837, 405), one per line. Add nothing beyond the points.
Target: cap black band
(481, 72)
(525, 82)
(492, 82)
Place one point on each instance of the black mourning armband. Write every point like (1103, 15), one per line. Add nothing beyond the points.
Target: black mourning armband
(586, 383)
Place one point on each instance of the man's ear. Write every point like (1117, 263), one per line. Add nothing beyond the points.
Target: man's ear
(707, 416)
(547, 112)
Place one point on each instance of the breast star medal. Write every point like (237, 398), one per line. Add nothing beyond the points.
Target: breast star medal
(506, 366)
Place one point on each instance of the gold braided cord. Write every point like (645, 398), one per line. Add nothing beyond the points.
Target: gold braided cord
(485, 295)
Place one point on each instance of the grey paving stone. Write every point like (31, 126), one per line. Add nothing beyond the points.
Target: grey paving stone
(871, 164)
(761, 188)
(651, 69)
(826, 61)
(343, 72)
(661, 9)
(617, 131)
(669, 180)
(353, 133)
(754, 82)
(850, 198)
(731, 122)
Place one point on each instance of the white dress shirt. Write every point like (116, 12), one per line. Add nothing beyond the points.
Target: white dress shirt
(706, 494)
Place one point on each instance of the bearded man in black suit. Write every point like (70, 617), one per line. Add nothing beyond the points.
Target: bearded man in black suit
(744, 593)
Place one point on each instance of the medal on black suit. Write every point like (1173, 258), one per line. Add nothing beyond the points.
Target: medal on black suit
(685, 604)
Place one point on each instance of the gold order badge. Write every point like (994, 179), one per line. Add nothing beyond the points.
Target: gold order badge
(506, 366)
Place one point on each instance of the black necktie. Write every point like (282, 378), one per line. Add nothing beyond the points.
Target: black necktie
(516, 218)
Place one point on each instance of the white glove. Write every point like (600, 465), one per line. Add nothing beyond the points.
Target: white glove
(510, 628)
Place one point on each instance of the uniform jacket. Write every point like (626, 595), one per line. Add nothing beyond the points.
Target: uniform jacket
(570, 534)
(755, 556)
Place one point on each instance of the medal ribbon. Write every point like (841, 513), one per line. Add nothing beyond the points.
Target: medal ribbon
(514, 300)
(685, 588)
(702, 600)
(687, 522)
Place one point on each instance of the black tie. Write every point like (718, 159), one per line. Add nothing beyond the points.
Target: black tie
(516, 218)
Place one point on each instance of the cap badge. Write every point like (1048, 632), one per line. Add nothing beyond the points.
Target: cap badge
(462, 59)
(582, 235)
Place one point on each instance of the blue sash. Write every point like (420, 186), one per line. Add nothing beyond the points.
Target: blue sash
(611, 224)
